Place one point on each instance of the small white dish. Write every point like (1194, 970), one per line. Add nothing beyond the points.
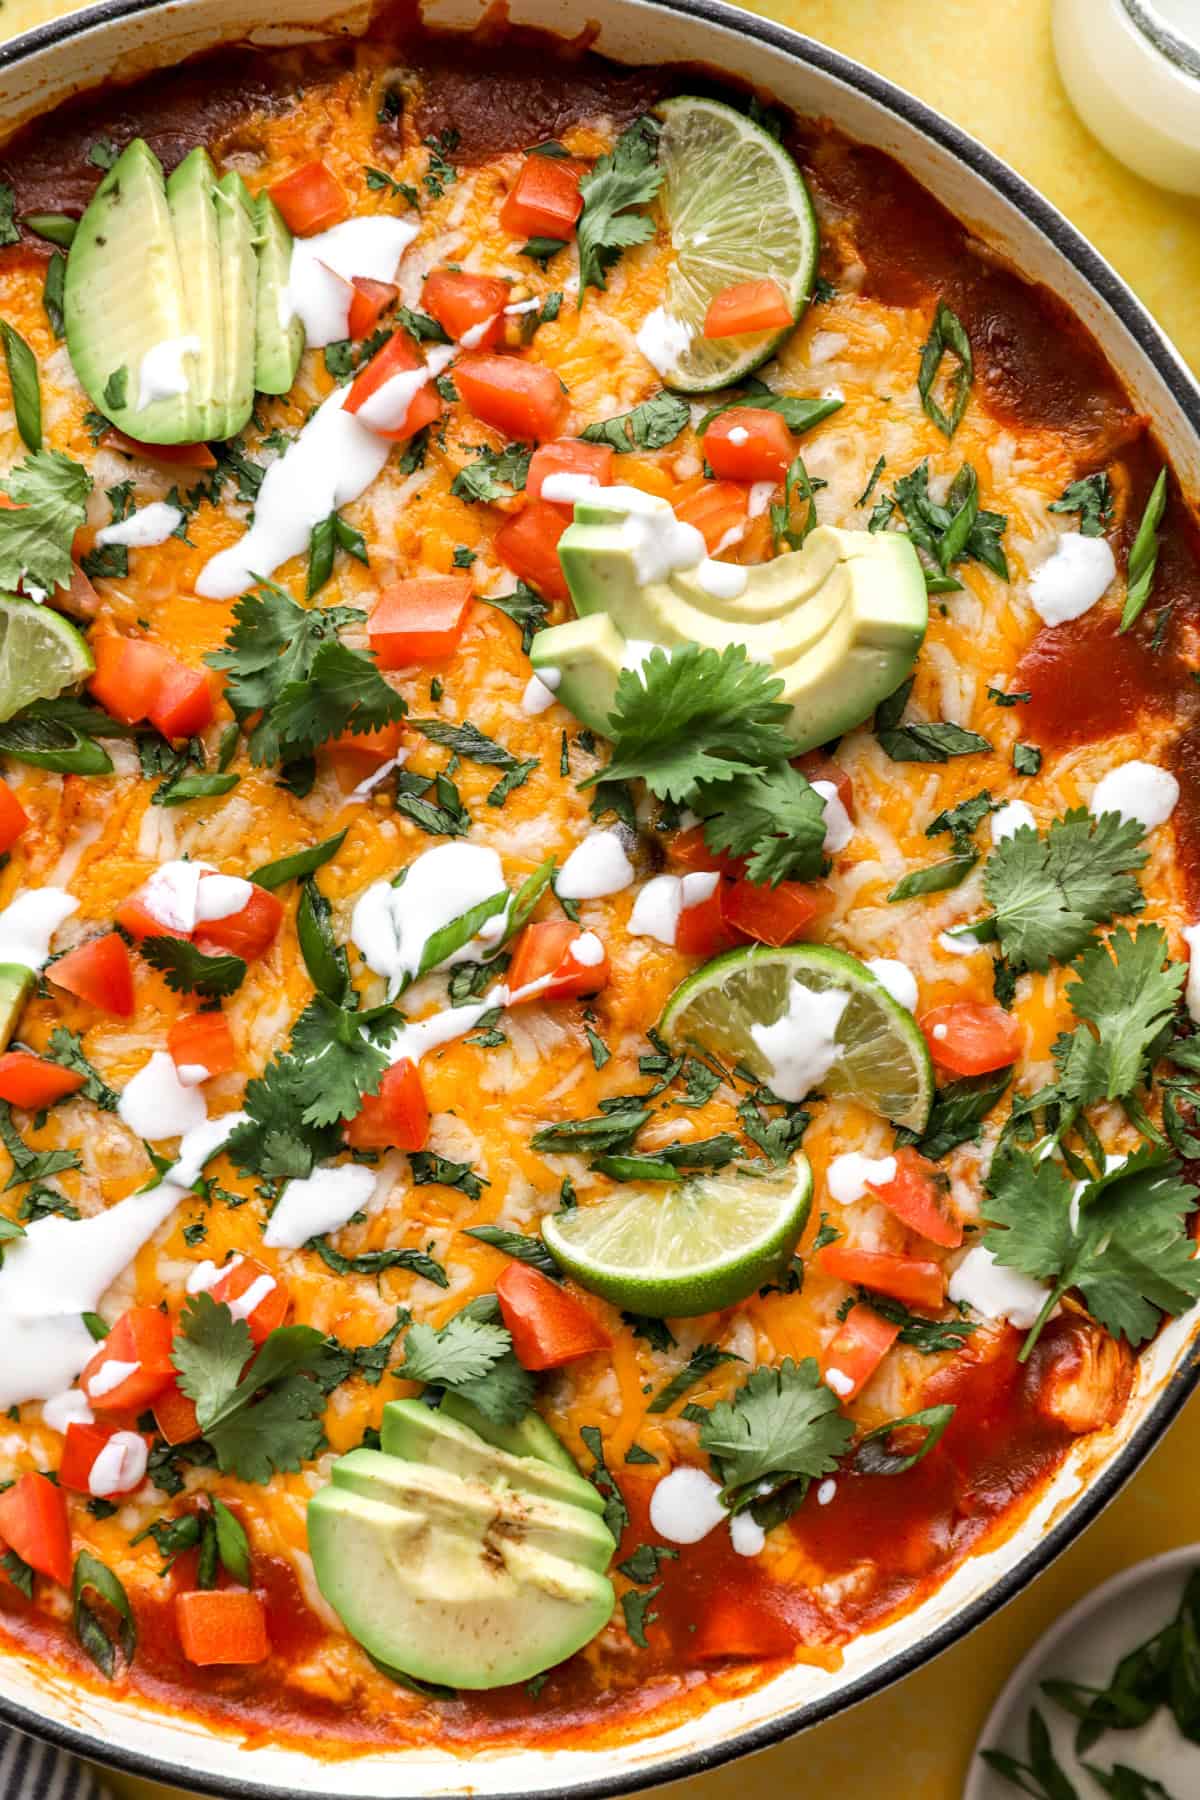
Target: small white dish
(1085, 1645)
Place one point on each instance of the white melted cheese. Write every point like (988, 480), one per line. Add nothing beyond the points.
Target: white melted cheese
(392, 925)
(685, 1506)
(1137, 790)
(28, 923)
(839, 826)
(662, 340)
(322, 1202)
(148, 526)
(540, 691)
(660, 902)
(990, 1288)
(801, 1047)
(120, 1466)
(157, 1104)
(161, 374)
(847, 1176)
(370, 247)
(331, 462)
(1072, 579)
(596, 867)
(1010, 819)
(897, 978)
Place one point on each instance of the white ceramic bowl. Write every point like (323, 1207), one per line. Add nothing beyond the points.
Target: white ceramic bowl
(123, 38)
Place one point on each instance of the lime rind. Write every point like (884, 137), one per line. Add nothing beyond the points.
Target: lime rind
(674, 1251)
(885, 1062)
(737, 210)
(41, 654)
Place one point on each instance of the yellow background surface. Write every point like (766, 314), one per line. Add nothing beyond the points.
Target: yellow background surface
(990, 67)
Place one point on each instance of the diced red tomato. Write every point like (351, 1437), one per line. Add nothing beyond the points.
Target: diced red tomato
(823, 768)
(141, 1337)
(397, 1117)
(203, 1040)
(528, 545)
(717, 510)
(271, 1303)
(13, 818)
(544, 200)
(185, 456)
(466, 306)
(355, 756)
(747, 306)
(738, 1627)
(98, 972)
(81, 1448)
(969, 1037)
(688, 851)
(248, 933)
(521, 399)
(310, 199)
(420, 620)
(568, 456)
(916, 1194)
(850, 1360)
(397, 357)
(913, 1279)
(33, 1522)
(749, 443)
(175, 1415)
(135, 917)
(183, 705)
(32, 1082)
(549, 1326)
(222, 1625)
(371, 300)
(129, 674)
(545, 952)
(775, 916)
(702, 930)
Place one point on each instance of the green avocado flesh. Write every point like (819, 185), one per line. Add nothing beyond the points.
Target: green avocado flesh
(839, 621)
(16, 981)
(162, 290)
(278, 347)
(457, 1561)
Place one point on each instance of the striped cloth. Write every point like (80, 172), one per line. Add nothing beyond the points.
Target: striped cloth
(30, 1770)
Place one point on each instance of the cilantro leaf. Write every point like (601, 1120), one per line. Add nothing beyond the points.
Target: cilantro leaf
(1091, 497)
(494, 475)
(703, 1360)
(189, 971)
(922, 740)
(1050, 893)
(32, 1165)
(526, 609)
(339, 1060)
(1126, 993)
(628, 176)
(959, 1110)
(342, 691)
(66, 1049)
(50, 493)
(650, 426)
(274, 1141)
(775, 818)
(783, 1425)
(474, 1356)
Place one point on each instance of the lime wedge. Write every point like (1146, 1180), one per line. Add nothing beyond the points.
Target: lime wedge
(884, 1061)
(737, 210)
(41, 653)
(672, 1251)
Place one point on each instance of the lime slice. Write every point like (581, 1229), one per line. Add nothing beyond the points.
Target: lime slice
(41, 653)
(737, 209)
(672, 1251)
(884, 1061)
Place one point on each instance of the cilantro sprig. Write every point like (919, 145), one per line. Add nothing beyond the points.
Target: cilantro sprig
(628, 176)
(49, 493)
(1050, 893)
(782, 1429)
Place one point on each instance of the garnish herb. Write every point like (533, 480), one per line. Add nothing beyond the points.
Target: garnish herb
(1143, 557)
(628, 176)
(525, 608)
(650, 426)
(331, 535)
(922, 740)
(1042, 1777)
(959, 1109)
(516, 1244)
(1027, 759)
(9, 232)
(473, 1355)
(798, 489)
(52, 293)
(189, 971)
(494, 475)
(947, 336)
(1049, 893)
(66, 1049)
(295, 867)
(886, 1450)
(782, 1429)
(1091, 497)
(26, 388)
(703, 1360)
(93, 1580)
(50, 494)
(799, 415)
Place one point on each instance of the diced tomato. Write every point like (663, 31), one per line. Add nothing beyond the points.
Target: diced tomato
(702, 930)
(248, 933)
(203, 1040)
(737, 1626)
(31, 1082)
(186, 456)
(521, 399)
(747, 306)
(397, 1117)
(81, 1448)
(544, 200)
(98, 972)
(129, 674)
(33, 1522)
(775, 916)
(135, 917)
(398, 357)
(175, 1415)
(688, 851)
(469, 308)
(818, 767)
(141, 1337)
(545, 952)
(850, 1360)
(718, 510)
(310, 199)
(549, 1326)
(371, 300)
(969, 1037)
(569, 456)
(912, 1279)
(222, 1625)
(356, 756)
(749, 443)
(271, 1303)
(13, 818)
(183, 705)
(528, 545)
(78, 599)
(420, 620)
(916, 1194)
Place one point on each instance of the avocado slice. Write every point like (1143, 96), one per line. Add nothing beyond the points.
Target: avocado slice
(840, 621)
(279, 335)
(233, 396)
(192, 202)
(16, 983)
(124, 296)
(530, 1436)
(412, 1430)
(453, 1578)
